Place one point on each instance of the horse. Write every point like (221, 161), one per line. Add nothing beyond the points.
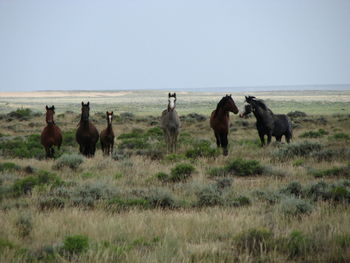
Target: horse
(51, 134)
(268, 123)
(170, 123)
(87, 134)
(219, 121)
(107, 135)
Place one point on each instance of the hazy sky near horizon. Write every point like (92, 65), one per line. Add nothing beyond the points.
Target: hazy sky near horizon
(182, 44)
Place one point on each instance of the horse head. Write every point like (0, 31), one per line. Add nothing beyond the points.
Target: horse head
(109, 116)
(85, 111)
(49, 114)
(171, 101)
(230, 105)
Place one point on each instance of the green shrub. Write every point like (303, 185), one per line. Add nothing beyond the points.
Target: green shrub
(297, 245)
(314, 134)
(201, 148)
(335, 171)
(48, 203)
(329, 155)
(217, 172)
(255, 241)
(317, 191)
(72, 161)
(76, 244)
(160, 198)
(343, 240)
(296, 114)
(155, 132)
(293, 188)
(181, 172)
(295, 207)
(23, 147)
(134, 143)
(240, 201)
(224, 182)
(340, 194)
(6, 244)
(341, 136)
(8, 166)
(21, 114)
(163, 177)
(268, 196)
(242, 167)
(127, 116)
(299, 149)
(117, 204)
(26, 184)
(24, 225)
(175, 157)
(68, 138)
(210, 196)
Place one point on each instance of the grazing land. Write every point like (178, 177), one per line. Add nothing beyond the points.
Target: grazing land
(280, 203)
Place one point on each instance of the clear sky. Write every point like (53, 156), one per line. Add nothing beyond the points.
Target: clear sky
(180, 44)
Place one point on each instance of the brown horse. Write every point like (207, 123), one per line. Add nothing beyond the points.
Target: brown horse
(87, 134)
(51, 135)
(107, 135)
(219, 121)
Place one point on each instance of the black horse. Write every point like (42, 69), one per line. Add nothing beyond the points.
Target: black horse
(87, 134)
(267, 122)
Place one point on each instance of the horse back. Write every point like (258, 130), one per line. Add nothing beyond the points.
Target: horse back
(282, 124)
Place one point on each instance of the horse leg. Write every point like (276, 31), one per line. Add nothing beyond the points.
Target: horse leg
(217, 136)
(288, 137)
(269, 135)
(262, 139)
(103, 148)
(112, 145)
(224, 143)
(47, 151)
(175, 141)
(52, 152)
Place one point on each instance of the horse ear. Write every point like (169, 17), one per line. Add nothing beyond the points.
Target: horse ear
(175, 95)
(107, 112)
(112, 112)
(87, 104)
(47, 107)
(53, 107)
(230, 95)
(82, 103)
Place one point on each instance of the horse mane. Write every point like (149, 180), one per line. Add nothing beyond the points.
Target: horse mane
(221, 103)
(262, 104)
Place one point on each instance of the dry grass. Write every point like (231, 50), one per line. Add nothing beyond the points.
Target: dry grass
(186, 233)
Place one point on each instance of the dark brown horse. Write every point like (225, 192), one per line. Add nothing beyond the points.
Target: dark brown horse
(51, 135)
(107, 135)
(219, 121)
(87, 134)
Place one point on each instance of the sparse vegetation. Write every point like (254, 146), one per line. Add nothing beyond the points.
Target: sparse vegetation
(279, 203)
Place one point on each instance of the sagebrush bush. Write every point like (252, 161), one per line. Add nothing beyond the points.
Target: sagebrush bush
(49, 202)
(72, 161)
(201, 148)
(181, 172)
(296, 245)
(240, 201)
(24, 225)
(21, 114)
(330, 155)
(217, 171)
(295, 207)
(163, 177)
(224, 182)
(242, 167)
(118, 204)
(340, 136)
(75, 244)
(160, 198)
(26, 184)
(270, 197)
(314, 134)
(293, 188)
(23, 147)
(255, 241)
(335, 171)
(298, 149)
(211, 195)
(296, 114)
(9, 166)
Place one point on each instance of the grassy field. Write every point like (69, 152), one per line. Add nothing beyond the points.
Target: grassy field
(281, 203)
